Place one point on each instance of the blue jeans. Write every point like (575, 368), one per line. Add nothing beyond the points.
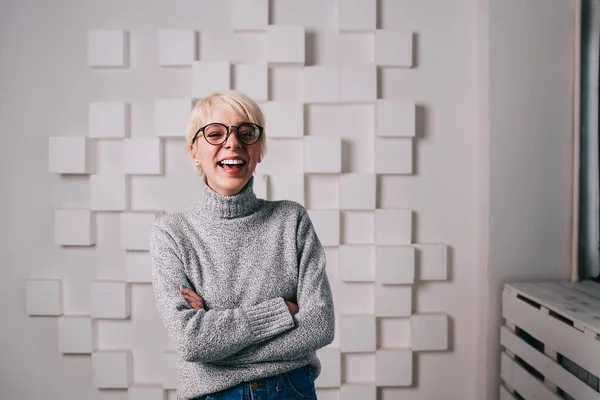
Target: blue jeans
(298, 384)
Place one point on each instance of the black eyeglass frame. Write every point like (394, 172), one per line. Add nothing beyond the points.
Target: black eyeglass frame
(228, 128)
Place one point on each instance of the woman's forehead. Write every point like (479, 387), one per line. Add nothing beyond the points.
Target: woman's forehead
(215, 113)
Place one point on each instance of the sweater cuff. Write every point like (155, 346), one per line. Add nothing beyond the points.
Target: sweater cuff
(269, 318)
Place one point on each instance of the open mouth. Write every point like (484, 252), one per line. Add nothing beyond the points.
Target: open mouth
(232, 165)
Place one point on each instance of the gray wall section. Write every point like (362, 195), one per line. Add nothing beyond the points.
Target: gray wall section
(530, 154)
(589, 216)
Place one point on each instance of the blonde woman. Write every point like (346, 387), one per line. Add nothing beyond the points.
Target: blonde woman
(240, 282)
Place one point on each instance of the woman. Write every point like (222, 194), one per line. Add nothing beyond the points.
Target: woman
(240, 282)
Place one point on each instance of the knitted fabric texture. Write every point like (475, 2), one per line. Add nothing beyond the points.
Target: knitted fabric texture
(244, 256)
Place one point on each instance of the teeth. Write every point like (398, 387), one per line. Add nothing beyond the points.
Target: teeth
(232, 162)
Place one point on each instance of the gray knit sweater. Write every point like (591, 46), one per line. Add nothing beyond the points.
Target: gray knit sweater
(244, 256)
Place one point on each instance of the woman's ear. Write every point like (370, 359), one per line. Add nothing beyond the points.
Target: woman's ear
(194, 154)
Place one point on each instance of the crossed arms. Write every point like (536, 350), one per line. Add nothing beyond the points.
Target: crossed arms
(268, 331)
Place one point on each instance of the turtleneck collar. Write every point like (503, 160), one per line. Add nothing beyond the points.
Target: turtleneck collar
(214, 206)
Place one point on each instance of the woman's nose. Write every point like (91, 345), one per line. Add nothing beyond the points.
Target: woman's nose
(232, 140)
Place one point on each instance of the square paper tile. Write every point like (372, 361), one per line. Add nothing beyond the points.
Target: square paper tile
(322, 154)
(177, 48)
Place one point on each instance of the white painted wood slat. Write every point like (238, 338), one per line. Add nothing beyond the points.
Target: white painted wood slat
(524, 383)
(565, 339)
(547, 367)
(579, 307)
(505, 394)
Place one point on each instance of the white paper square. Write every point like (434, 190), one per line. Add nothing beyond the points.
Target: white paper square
(358, 227)
(358, 369)
(44, 297)
(143, 156)
(352, 298)
(322, 191)
(249, 15)
(356, 15)
(110, 300)
(107, 48)
(252, 80)
(139, 268)
(112, 369)
(331, 368)
(327, 226)
(109, 192)
(322, 84)
(177, 48)
(358, 191)
(171, 117)
(75, 335)
(322, 154)
(395, 265)
(393, 227)
(394, 367)
(393, 156)
(284, 156)
(359, 83)
(146, 392)
(110, 158)
(284, 119)
(285, 45)
(284, 186)
(170, 378)
(357, 263)
(432, 261)
(70, 155)
(394, 332)
(74, 227)
(393, 48)
(358, 392)
(358, 333)
(393, 301)
(135, 230)
(210, 77)
(395, 118)
(260, 186)
(217, 45)
(429, 332)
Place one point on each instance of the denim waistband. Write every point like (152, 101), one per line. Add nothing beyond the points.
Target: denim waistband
(274, 381)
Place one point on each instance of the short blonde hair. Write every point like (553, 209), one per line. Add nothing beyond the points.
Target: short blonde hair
(230, 100)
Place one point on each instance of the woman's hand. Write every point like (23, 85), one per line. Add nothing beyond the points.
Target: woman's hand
(192, 298)
(197, 303)
(293, 307)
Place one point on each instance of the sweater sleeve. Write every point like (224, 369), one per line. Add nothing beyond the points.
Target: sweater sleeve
(205, 336)
(315, 320)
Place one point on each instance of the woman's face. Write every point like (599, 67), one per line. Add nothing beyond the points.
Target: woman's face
(226, 179)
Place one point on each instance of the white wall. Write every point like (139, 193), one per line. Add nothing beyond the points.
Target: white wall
(45, 89)
(525, 61)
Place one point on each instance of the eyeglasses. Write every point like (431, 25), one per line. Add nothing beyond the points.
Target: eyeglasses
(217, 134)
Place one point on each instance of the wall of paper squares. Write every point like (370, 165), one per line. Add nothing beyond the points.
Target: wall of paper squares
(334, 135)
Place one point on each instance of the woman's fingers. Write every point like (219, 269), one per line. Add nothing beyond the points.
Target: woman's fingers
(292, 307)
(194, 300)
(186, 291)
(195, 304)
(192, 294)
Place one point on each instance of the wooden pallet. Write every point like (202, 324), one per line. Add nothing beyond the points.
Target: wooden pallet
(551, 341)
